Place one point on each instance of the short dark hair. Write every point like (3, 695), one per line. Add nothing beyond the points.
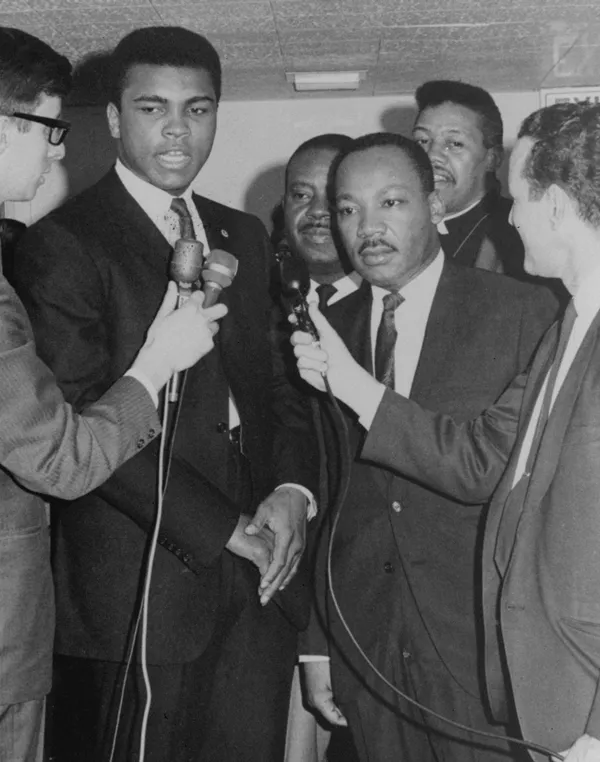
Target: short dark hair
(29, 68)
(566, 152)
(478, 100)
(330, 141)
(412, 150)
(162, 46)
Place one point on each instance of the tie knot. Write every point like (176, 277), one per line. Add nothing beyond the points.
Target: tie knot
(392, 301)
(179, 206)
(325, 291)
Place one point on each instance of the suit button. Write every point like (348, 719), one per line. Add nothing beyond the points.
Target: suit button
(396, 506)
(141, 443)
(152, 433)
(388, 567)
(222, 427)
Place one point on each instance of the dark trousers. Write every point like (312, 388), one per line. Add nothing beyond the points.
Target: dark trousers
(229, 705)
(386, 728)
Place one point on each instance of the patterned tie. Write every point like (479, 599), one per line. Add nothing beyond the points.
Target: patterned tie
(386, 340)
(513, 507)
(325, 291)
(186, 226)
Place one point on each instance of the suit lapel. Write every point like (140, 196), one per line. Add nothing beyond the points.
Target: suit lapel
(535, 379)
(444, 318)
(351, 318)
(215, 226)
(131, 227)
(558, 421)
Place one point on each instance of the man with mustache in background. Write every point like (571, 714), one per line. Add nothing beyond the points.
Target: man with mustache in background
(307, 219)
(306, 227)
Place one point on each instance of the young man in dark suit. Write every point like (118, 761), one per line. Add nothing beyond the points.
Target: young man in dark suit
(537, 447)
(220, 658)
(405, 558)
(44, 444)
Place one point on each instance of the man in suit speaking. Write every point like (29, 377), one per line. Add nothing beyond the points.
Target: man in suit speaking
(540, 562)
(43, 443)
(91, 274)
(405, 557)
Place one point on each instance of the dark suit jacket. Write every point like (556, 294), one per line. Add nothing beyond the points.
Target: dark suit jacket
(544, 615)
(92, 274)
(48, 448)
(482, 330)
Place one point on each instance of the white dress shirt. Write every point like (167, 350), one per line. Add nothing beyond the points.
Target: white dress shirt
(587, 305)
(411, 321)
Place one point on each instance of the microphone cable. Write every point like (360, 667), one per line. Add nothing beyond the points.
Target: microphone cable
(346, 461)
(165, 455)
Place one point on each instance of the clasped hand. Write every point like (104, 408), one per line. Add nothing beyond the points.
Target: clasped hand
(274, 539)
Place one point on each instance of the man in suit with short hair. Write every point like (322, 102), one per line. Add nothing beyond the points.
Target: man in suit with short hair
(405, 558)
(235, 510)
(44, 445)
(537, 447)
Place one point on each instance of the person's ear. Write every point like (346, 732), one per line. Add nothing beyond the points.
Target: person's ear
(114, 120)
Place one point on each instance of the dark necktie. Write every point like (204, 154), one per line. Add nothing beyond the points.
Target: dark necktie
(513, 506)
(186, 226)
(325, 291)
(386, 340)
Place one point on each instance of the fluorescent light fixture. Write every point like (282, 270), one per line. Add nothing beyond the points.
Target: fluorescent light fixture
(325, 80)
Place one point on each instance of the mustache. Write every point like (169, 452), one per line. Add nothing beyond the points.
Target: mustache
(321, 225)
(373, 243)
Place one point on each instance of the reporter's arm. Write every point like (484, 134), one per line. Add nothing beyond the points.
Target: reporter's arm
(463, 460)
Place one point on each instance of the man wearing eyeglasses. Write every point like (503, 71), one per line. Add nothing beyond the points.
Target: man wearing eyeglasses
(43, 443)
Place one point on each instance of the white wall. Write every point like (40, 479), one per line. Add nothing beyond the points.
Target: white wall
(254, 141)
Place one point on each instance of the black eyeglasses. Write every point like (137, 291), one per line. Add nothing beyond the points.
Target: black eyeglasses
(57, 128)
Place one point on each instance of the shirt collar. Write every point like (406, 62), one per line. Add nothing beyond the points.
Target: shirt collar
(441, 226)
(587, 299)
(422, 287)
(154, 201)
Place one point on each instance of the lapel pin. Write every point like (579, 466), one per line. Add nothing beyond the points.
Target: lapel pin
(224, 233)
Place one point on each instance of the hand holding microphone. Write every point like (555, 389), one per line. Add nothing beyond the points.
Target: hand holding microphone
(177, 338)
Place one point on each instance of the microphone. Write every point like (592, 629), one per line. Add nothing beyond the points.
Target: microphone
(219, 271)
(184, 269)
(295, 285)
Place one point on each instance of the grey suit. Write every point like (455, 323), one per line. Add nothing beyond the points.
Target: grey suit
(47, 448)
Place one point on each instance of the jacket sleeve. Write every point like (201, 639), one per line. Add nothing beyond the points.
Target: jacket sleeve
(45, 444)
(463, 460)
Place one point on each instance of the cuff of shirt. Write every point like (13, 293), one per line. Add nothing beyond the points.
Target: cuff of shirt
(367, 407)
(312, 503)
(146, 383)
(303, 658)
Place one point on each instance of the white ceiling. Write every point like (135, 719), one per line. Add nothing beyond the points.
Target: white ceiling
(499, 44)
